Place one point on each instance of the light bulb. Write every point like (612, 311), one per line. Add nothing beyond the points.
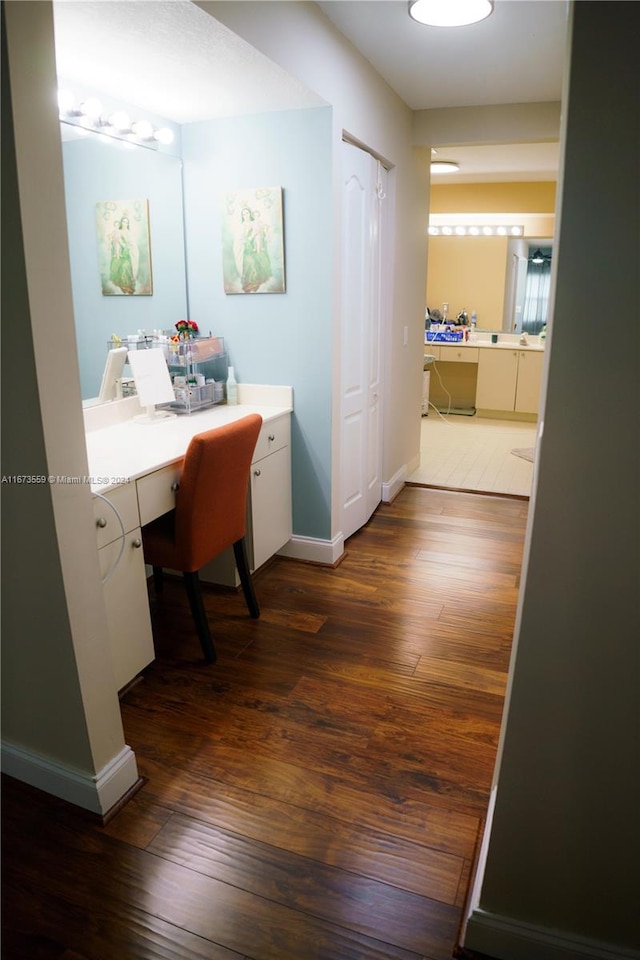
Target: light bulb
(142, 129)
(164, 135)
(120, 120)
(91, 108)
(66, 102)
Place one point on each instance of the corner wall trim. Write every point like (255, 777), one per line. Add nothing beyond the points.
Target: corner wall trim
(508, 939)
(311, 550)
(97, 792)
(391, 488)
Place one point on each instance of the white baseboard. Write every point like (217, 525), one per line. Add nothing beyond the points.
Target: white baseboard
(508, 939)
(327, 552)
(391, 488)
(97, 792)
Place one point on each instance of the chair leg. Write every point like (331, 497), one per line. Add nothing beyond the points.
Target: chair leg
(158, 579)
(192, 582)
(240, 553)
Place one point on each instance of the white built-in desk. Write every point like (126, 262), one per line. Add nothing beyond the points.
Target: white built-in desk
(136, 468)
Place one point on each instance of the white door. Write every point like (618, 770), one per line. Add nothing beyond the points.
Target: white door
(363, 187)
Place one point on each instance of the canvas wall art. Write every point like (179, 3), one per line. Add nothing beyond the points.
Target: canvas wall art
(124, 248)
(253, 241)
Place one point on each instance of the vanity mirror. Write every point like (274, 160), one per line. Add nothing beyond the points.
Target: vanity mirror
(98, 170)
(493, 277)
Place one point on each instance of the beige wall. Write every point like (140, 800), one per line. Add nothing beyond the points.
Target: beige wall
(561, 877)
(525, 197)
(469, 273)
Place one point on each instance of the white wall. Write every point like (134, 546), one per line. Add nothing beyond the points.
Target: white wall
(304, 42)
(561, 877)
(61, 720)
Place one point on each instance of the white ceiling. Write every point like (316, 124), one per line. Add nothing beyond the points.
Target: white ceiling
(173, 59)
(514, 56)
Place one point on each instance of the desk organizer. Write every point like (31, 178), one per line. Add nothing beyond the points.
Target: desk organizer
(198, 369)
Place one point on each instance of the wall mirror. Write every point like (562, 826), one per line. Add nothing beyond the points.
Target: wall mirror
(99, 170)
(493, 276)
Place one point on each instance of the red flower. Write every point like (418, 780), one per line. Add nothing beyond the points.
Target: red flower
(186, 328)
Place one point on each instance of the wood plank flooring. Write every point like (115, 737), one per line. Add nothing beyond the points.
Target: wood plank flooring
(319, 793)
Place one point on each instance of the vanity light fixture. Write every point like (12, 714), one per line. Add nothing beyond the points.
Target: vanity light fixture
(117, 125)
(444, 166)
(449, 13)
(476, 230)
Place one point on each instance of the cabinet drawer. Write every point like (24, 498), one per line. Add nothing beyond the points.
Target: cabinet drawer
(157, 492)
(107, 525)
(273, 436)
(459, 354)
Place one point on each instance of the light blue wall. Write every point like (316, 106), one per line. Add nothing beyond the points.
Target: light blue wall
(98, 170)
(272, 338)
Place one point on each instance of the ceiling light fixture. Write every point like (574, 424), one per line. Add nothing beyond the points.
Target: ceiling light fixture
(449, 13)
(538, 256)
(444, 166)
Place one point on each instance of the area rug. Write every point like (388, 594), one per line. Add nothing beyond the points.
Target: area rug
(526, 453)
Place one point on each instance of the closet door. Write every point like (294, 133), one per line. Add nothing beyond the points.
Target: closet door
(363, 188)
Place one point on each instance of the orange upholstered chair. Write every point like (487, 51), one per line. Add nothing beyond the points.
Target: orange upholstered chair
(209, 516)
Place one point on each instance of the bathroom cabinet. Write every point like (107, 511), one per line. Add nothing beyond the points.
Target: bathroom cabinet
(509, 380)
(270, 515)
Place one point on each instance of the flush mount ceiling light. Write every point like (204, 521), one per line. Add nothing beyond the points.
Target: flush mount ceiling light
(444, 166)
(449, 13)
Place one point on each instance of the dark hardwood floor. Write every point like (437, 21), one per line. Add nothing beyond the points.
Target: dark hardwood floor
(319, 793)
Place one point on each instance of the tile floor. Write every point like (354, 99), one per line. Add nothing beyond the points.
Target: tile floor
(472, 453)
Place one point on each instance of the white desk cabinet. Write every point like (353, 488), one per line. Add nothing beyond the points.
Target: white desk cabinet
(150, 457)
(125, 592)
(270, 513)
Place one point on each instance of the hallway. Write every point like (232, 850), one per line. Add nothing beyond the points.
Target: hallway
(320, 792)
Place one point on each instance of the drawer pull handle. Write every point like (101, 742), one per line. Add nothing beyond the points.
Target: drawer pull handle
(175, 486)
(101, 522)
(256, 473)
(271, 437)
(137, 543)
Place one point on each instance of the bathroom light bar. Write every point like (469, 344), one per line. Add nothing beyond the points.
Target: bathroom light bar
(477, 230)
(89, 115)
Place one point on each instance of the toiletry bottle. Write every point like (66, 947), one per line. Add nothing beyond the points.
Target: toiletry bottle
(232, 388)
(543, 333)
(474, 319)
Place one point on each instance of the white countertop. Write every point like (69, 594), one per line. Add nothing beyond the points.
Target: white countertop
(125, 451)
(482, 344)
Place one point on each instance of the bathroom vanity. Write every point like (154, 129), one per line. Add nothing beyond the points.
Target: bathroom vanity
(499, 380)
(135, 469)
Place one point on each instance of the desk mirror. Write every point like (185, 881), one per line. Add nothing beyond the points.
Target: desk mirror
(98, 170)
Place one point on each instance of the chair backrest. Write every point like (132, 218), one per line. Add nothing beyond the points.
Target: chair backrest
(212, 497)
